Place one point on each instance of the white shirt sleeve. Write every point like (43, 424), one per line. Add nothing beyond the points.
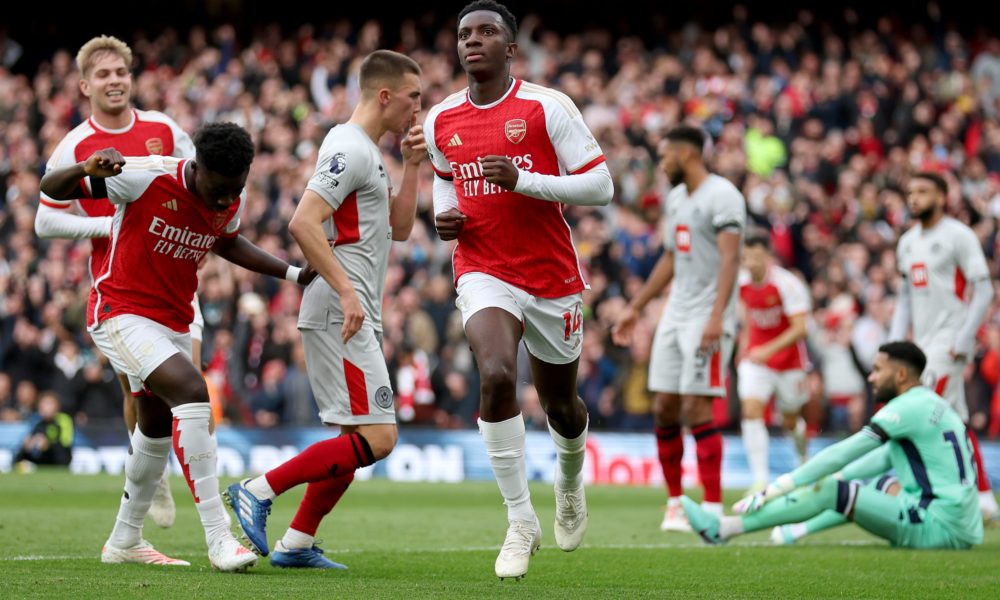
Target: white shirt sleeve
(444, 195)
(794, 295)
(183, 145)
(730, 210)
(64, 224)
(971, 259)
(62, 156)
(340, 170)
(440, 164)
(591, 188)
(575, 146)
(129, 185)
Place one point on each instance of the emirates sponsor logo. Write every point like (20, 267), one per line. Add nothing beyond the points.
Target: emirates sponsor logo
(474, 170)
(515, 130)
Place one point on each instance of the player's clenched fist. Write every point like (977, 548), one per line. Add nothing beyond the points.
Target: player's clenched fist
(499, 170)
(104, 163)
(449, 224)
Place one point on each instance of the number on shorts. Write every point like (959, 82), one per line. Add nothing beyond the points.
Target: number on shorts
(573, 322)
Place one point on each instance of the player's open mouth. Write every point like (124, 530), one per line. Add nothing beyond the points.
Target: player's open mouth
(115, 94)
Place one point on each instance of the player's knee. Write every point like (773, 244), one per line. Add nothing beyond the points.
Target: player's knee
(497, 379)
(190, 392)
(666, 410)
(381, 440)
(753, 409)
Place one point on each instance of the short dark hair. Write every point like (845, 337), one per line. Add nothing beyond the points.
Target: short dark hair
(907, 353)
(223, 148)
(491, 5)
(760, 240)
(688, 135)
(935, 178)
(385, 68)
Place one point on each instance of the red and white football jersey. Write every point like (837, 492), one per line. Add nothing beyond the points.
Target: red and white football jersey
(149, 133)
(768, 306)
(159, 234)
(521, 240)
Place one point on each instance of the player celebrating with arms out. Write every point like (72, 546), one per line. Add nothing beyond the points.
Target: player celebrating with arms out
(506, 154)
(703, 235)
(938, 259)
(106, 81)
(776, 305)
(349, 201)
(170, 212)
(928, 447)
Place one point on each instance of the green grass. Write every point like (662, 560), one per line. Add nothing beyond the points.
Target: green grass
(440, 540)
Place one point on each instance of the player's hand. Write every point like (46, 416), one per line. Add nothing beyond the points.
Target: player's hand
(104, 163)
(621, 331)
(307, 274)
(449, 224)
(781, 486)
(499, 170)
(759, 355)
(354, 315)
(414, 146)
(710, 336)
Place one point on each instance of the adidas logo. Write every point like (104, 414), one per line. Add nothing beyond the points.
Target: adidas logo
(172, 204)
(454, 141)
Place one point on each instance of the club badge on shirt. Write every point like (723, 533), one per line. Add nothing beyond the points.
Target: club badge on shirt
(515, 130)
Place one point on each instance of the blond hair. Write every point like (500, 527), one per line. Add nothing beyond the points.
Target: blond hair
(385, 68)
(103, 44)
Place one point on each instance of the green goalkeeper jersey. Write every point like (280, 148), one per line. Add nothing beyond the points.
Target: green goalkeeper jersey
(931, 453)
(932, 456)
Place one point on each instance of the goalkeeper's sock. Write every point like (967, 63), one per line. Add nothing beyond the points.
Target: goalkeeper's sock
(730, 526)
(821, 522)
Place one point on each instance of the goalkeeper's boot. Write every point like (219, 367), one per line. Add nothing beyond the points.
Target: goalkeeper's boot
(702, 522)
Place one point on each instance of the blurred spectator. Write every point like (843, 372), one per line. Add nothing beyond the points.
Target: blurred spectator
(819, 122)
(50, 440)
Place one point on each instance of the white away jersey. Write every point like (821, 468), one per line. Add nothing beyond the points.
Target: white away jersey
(691, 226)
(351, 178)
(937, 265)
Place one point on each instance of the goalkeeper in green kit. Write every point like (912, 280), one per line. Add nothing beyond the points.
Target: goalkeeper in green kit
(916, 433)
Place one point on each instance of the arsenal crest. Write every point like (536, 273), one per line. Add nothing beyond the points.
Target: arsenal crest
(515, 130)
(221, 218)
(154, 146)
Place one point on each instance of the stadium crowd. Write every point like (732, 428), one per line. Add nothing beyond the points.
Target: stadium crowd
(819, 124)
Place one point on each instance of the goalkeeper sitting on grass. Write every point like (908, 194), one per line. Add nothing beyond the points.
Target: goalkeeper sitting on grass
(938, 505)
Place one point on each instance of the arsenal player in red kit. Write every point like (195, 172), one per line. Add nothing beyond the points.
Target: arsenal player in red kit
(507, 154)
(169, 213)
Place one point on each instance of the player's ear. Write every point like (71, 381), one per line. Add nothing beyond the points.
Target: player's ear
(511, 50)
(85, 88)
(384, 95)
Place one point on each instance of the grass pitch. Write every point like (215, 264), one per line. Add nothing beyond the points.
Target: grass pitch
(404, 540)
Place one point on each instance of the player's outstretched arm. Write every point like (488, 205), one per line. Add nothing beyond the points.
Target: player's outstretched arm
(663, 274)
(403, 211)
(306, 227)
(62, 223)
(64, 183)
(828, 461)
(244, 253)
(874, 463)
(592, 188)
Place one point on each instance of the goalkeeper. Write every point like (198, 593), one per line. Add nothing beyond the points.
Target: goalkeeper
(926, 444)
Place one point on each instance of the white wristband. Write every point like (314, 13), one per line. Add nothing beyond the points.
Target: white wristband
(292, 274)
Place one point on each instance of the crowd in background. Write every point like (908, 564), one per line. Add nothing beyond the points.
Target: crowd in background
(819, 126)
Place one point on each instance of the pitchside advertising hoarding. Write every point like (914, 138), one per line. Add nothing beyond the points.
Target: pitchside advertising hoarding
(442, 456)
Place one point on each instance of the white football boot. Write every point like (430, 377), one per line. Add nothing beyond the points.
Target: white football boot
(675, 520)
(142, 553)
(522, 541)
(571, 518)
(228, 555)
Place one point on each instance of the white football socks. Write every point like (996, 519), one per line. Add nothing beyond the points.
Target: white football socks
(569, 458)
(259, 487)
(505, 448)
(296, 539)
(143, 470)
(755, 442)
(196, 450)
